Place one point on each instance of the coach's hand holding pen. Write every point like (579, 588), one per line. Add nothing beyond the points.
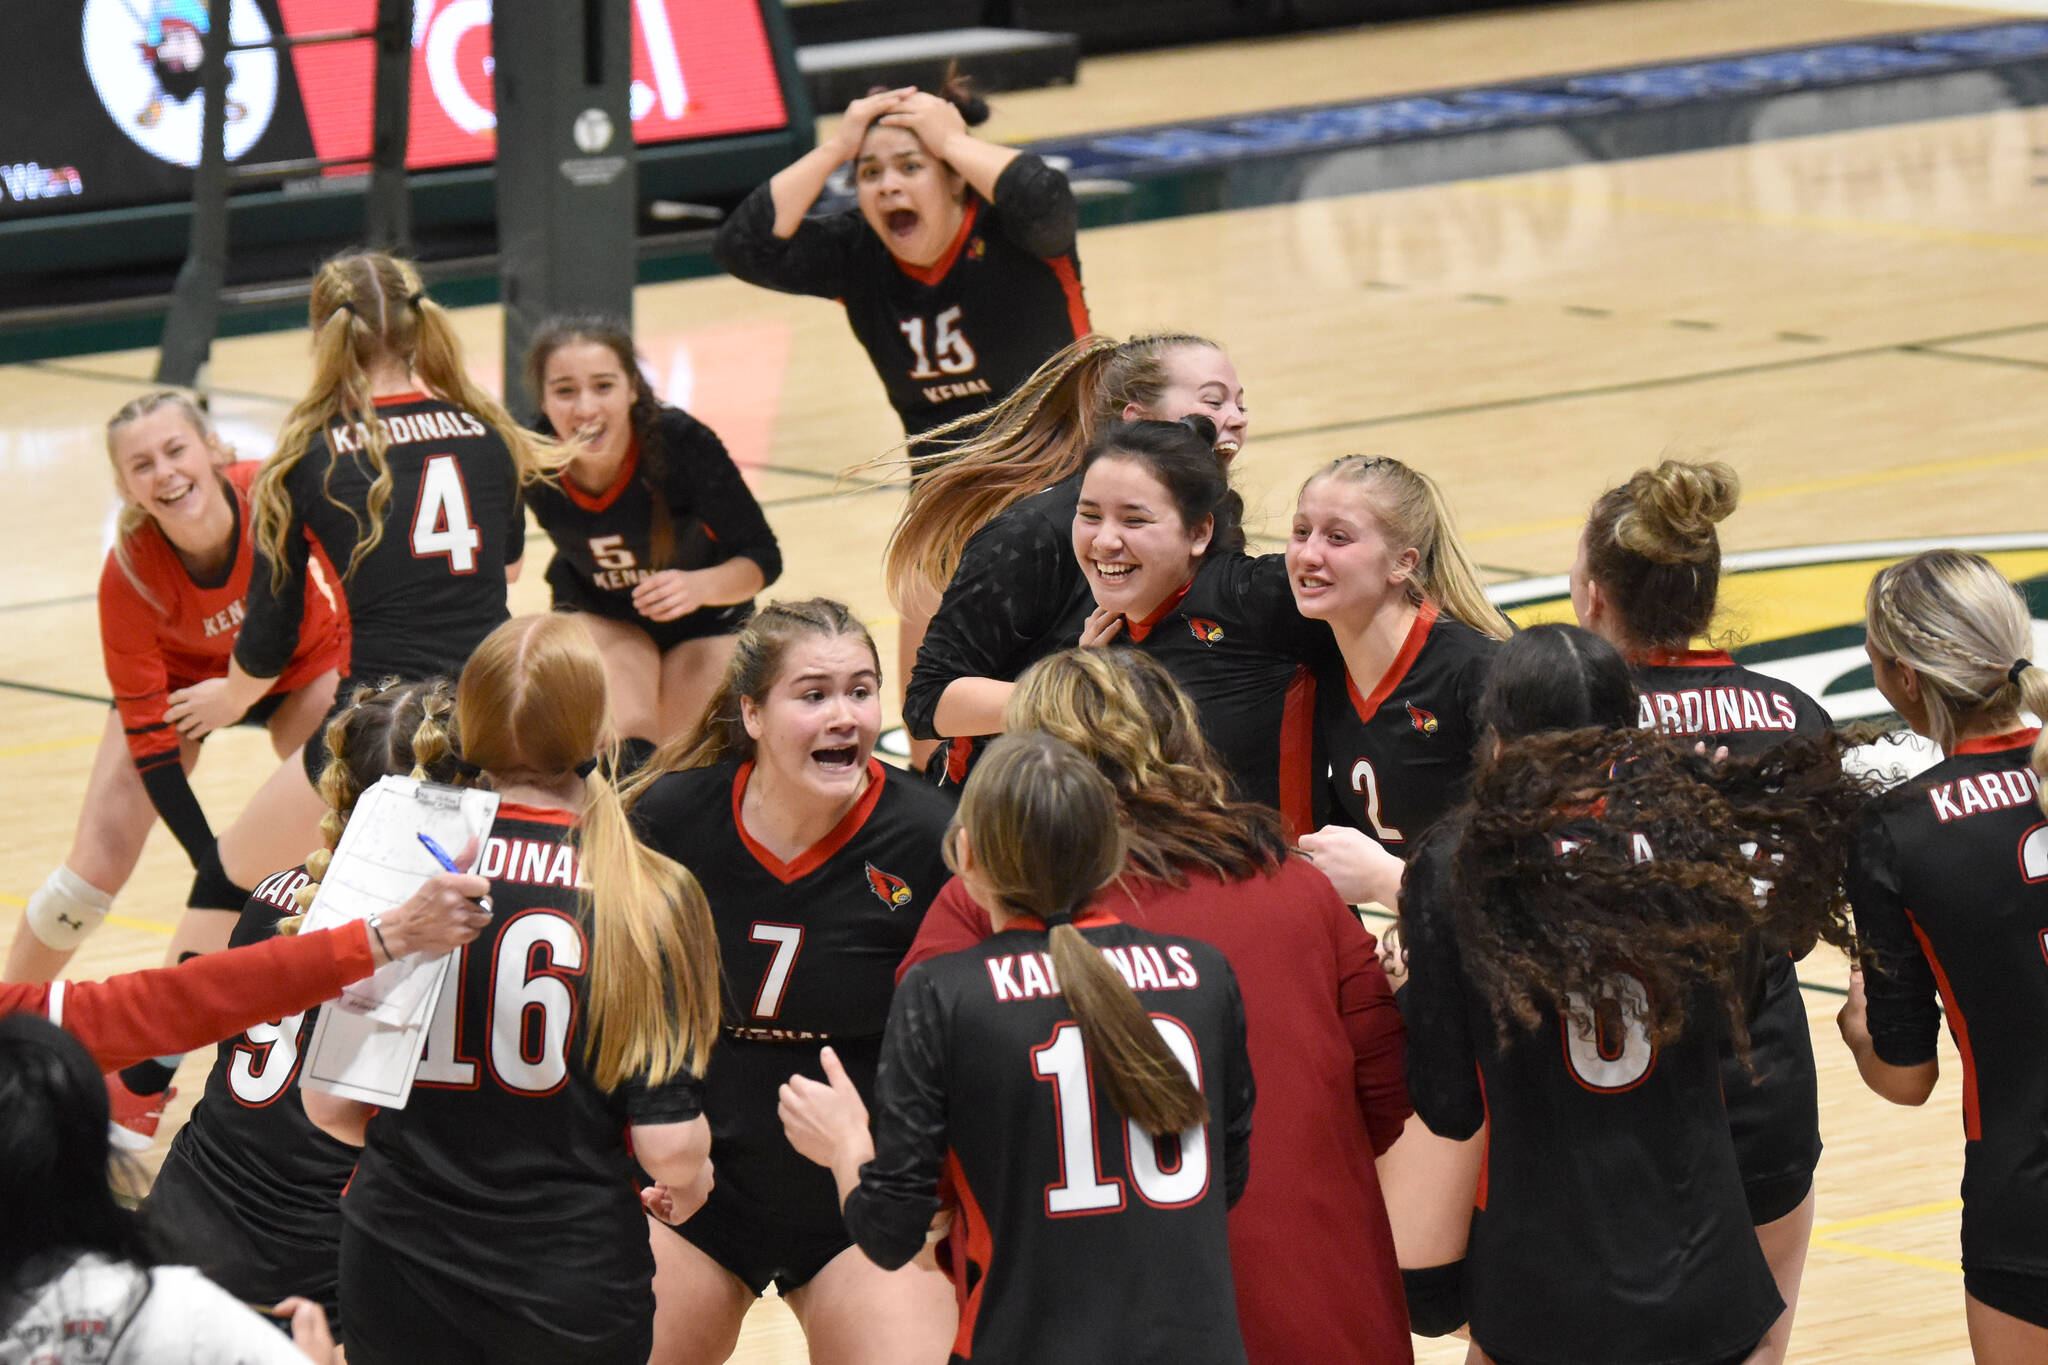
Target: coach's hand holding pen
(448, 910)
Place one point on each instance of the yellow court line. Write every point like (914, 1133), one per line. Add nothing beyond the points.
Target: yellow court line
(49, 745)
(1895, 1257)
(1878, 1220)
(1804, 487)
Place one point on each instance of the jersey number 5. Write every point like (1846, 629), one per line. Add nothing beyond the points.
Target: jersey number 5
(1170, 1172)
(441, 524)
(532, 1009)
(1608, 1046)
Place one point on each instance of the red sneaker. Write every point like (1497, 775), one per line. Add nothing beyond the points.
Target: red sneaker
(133, 1118)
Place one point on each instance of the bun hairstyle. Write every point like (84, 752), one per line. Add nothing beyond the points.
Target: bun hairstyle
(758, 659)
(1652, 548)
(1031, 440)
(1557, 677)
(1955, 620)
(1412, 513)
(134, 519)
(366, 306)
(532, 703)
(1182, 456)
(1124, 712)
(1043, 833)
(644, 412)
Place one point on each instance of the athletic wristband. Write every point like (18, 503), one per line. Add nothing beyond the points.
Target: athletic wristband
(374, 922)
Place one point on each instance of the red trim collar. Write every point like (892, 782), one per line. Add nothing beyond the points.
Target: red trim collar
(1418, 635)
(539, 815)
(814, 857)
(392, 400)
(1138, 630)
(1687, 658)
(1997, 744)
(598, 502)
(936, 271)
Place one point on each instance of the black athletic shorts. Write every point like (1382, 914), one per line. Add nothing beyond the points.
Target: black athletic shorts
(760, 1248)
(2017, 1292)
(1774, 1108)
(571, 593)
(188, 1222)
(400, 1315)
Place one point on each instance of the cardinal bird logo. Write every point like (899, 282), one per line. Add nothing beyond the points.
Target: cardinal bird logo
(1420, 719)
(976, 249)
(1208, 632)
(894, 891)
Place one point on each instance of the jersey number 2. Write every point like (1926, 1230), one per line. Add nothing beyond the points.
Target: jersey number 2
(532, 1009)
(441, 524)
(1366, 783)
(1169, 1172)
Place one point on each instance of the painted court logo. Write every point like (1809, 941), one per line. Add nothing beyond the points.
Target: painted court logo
(893, 891)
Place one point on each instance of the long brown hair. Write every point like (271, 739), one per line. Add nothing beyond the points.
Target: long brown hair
(644, 412)
(1955, 620)
(1124, 711)
(1413, 513)
(758, 658)
(1041, 824)
(134, 519)
(1652, 548)
(1030, 440)
(532, 701)
(366, 305)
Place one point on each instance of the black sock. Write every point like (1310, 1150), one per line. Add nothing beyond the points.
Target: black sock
(213, 889)
(148, 1078)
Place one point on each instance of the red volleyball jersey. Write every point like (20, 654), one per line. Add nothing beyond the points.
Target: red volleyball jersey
(152, 651)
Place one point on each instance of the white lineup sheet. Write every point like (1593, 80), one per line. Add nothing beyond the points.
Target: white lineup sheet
(367, 1044)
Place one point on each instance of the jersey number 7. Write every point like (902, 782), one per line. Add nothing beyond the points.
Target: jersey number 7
(1170, 1172)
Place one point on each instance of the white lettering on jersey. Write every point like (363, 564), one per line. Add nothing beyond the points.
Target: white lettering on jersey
(1030, 976)
(1718, 711)
(1999, 790)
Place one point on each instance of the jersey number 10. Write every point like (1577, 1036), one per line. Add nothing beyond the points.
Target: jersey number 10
(1170, 1173)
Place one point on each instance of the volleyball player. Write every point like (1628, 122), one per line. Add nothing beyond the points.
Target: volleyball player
(170, 598)
(1646, 577)
(819, 863)
(658, 540)
(1093, 1129)
(250, 1190)
(1581, 936)
(1323, 1034)
(405, 475)
(494, 1217)
(1950, 883)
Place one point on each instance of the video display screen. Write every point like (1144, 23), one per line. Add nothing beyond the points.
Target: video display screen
(107, 113)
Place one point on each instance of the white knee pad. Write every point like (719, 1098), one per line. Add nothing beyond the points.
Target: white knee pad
(66, 908)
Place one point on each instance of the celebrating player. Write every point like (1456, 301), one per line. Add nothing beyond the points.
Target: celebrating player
(170, 599)
(819, 862)
(993, 529)
(1323, 1034)
(1950, 883)
(658, 541)
(493, 1217)
(1646, 578)
(1581, 935)
(251, 1191)
(1093, 1125)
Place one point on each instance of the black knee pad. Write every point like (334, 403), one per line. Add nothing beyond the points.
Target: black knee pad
(1436, 1298)
(213, 890)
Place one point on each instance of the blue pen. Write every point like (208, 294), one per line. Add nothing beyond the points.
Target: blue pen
(441, 857)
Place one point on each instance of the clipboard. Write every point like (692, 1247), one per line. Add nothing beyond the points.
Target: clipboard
(367, 1044)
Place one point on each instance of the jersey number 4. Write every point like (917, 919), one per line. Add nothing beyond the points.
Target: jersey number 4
(441, 524)
(531, 1014)
(949, 346)
(1170, 1172)
(1608, 1046)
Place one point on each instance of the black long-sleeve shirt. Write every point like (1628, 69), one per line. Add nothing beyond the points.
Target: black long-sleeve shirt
(952, 338)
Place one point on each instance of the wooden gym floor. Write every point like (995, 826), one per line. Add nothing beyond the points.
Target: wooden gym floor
(1858, 322)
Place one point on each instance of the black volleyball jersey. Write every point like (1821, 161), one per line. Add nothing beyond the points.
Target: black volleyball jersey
(1234, 642)
(1704, 692)
(604, 541)
(435, 584)
(1400, 758)
(947, 339)
(1611, 1222)
(507, 1171)
(808, 954)
(1950, 886)
(249, 1144)
(1086, 1239)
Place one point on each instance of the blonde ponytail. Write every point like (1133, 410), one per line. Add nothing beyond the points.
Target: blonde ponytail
(1043, 833)
(1954, 620)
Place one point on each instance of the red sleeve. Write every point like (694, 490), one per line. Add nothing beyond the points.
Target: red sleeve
(135, 665)
(1372, 1021)
(166, 1010)
(954, 922)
